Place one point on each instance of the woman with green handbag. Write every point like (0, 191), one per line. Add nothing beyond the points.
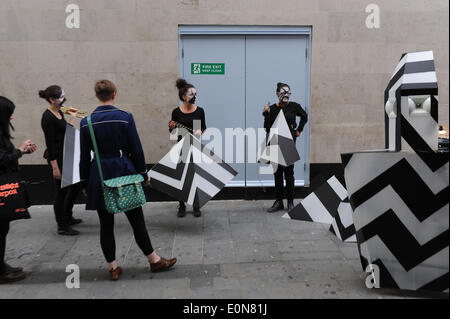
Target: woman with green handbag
(113, 180)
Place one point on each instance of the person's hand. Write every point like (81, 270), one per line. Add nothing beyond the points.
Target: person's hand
(266, 108)
(56, 173)
(31, 148)
(198, 132)
(84, 192)
(25, 146)
(298, 133)
(172, 124)
(146, 183)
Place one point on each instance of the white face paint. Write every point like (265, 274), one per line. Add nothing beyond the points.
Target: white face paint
(61, 99)
(191, 94)
(285, 94)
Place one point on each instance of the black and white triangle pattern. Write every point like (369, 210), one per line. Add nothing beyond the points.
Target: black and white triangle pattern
(280, 147)
(411, 104)
(190, 172)
(327, 204)
(401, 215)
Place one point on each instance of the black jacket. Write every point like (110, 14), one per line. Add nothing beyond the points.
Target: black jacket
(291, 111)
(9, 156)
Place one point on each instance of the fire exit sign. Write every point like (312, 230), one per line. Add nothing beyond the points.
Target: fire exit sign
(207, 68)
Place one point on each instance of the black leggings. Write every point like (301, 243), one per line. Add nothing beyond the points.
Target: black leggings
(63, 203)
(289, 177)
(137, 222)
(4, 229)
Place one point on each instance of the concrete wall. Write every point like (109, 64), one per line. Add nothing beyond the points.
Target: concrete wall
(135, 44)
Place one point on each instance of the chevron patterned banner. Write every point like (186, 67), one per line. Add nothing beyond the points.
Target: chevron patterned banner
(327, 204)
(71, 157)
(280, 148)
(190, 172)
(401, 215)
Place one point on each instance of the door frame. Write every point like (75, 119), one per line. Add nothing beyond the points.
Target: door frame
(258, 30)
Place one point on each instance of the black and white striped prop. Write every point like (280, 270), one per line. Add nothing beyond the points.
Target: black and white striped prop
(71, 157)
(401, 215)
(327, 204)
(190, 172)
(279, 147)
(411, 104)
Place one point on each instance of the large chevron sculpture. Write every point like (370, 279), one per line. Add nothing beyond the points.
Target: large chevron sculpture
(280, 147)
(401, 215)
(71, 157)
(190, 172)
(327, 204)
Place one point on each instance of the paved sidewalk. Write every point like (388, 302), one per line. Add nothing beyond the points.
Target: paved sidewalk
(235, 250)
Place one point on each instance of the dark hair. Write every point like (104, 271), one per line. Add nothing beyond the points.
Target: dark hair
(104, 90)
(280, 85)
(53, 91)
(183, 86)
(6, 110)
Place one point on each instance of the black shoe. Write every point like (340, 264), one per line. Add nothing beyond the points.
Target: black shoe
(9, 277)
(10, 268)
(290, 206)
(197, 212)
(181, 210)
(278, 205)
(75, 221)
(69, 231)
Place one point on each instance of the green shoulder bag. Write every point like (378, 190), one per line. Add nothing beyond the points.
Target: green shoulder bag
(122, 193)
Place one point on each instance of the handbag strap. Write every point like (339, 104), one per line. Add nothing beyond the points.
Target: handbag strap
(94, 144)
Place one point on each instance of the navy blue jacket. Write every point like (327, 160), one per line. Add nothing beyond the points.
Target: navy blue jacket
(119, 147)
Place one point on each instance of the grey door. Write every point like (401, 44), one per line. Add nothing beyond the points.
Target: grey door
(234, 99)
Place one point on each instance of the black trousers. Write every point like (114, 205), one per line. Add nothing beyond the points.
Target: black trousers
(4, 229)
(137, 222)
(288, 173)
(63, 203)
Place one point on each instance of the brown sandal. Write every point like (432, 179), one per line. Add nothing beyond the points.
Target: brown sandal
(114, 274)
(162, 264)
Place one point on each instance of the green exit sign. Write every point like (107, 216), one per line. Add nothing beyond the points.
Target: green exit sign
(207, 68)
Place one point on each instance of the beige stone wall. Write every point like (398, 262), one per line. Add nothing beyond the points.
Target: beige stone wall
(135, 44)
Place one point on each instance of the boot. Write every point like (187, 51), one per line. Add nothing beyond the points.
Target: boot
(277, 205)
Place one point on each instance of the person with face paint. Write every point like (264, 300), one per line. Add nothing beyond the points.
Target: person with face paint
(191, 117)
(53, 125)
(291, 111)
(9, 156)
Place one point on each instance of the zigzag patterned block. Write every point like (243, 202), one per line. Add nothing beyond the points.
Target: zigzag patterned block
(401, 215)
(190, 172)
(280, 148)
(411, 104)
(327, 204)
(71, 157)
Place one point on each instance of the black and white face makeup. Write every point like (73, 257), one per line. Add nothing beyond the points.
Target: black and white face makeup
(285, 94)
(191, 95)
(62, 98)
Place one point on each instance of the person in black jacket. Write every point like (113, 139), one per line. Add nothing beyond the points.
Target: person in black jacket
(9, 156)
(291, 111)
(190, 116)
(54, 125)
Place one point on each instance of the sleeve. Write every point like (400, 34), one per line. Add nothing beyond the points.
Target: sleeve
(7, 158)
(203, 120)
(49, 134)
(268, 121)
(173, 118)
(135, 148)
(303, 118)
(85, 154)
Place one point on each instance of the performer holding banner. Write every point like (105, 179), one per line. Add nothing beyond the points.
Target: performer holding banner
(54, 125)
(120, 154)
(290, 110)
(191, 118)
(13, 200)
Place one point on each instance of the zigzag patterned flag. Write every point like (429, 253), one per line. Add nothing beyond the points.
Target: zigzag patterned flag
(190, 172)
(411, 105)
(280, 147)
(401, 215)
(327, 204)
(71, 157)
